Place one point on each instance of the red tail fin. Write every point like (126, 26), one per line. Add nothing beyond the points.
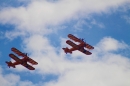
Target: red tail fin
(10, 64)
(66, 50)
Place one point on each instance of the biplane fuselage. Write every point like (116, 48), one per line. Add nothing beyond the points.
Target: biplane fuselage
(22, 61)
(81, 46)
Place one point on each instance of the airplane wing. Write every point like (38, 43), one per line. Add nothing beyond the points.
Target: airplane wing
(88, 46)
(28, 66)
(72, 44)
(32, 61)
(80, 41)
(19, 60)
(23, 55)
(15, 58)
(74, 38)
(85, 51)
(78, 48)
(18, 52)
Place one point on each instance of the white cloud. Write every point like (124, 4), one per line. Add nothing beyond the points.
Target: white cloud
(79, 25)
(37, 15)
(110, 44)
(9, 79)
(108, 69)
(99, 24)
(127, 18)
(14, 34)
(95, 74)
(27, 83)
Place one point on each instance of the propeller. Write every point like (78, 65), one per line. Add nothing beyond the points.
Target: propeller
(82, 39)
(26, 54)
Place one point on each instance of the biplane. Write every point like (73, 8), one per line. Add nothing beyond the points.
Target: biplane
(81, 46)
(22, 61)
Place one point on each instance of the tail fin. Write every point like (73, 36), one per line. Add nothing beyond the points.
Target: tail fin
(10, 64)
(66, 50)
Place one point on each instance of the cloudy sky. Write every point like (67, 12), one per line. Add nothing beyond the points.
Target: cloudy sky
(40, 28)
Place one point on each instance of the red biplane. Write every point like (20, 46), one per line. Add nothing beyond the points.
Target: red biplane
(82, 44)
(22, 61)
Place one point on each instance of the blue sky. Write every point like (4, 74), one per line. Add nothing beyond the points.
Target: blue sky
(40, 28)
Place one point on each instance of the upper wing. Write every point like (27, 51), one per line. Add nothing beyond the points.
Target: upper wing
(32, 61)
(22, 54)
(28, 66)
(15, 58)
(18, 52)
(72, 44)
(88, 46)
(78, 40)
(24, 63)
(74, 38)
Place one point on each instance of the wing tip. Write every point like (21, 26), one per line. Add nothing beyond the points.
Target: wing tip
(32, 69)
(89, 53)
(11, 54)
(69, 34)
(36, 63)
(68, 41)
(13, 48)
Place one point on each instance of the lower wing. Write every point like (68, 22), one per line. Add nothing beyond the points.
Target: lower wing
(32, 61)
(28, 66)
(85, 51)
(88, 46)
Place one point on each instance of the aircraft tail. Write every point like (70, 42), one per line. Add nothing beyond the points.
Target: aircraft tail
(10, 64)
(66, 50)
